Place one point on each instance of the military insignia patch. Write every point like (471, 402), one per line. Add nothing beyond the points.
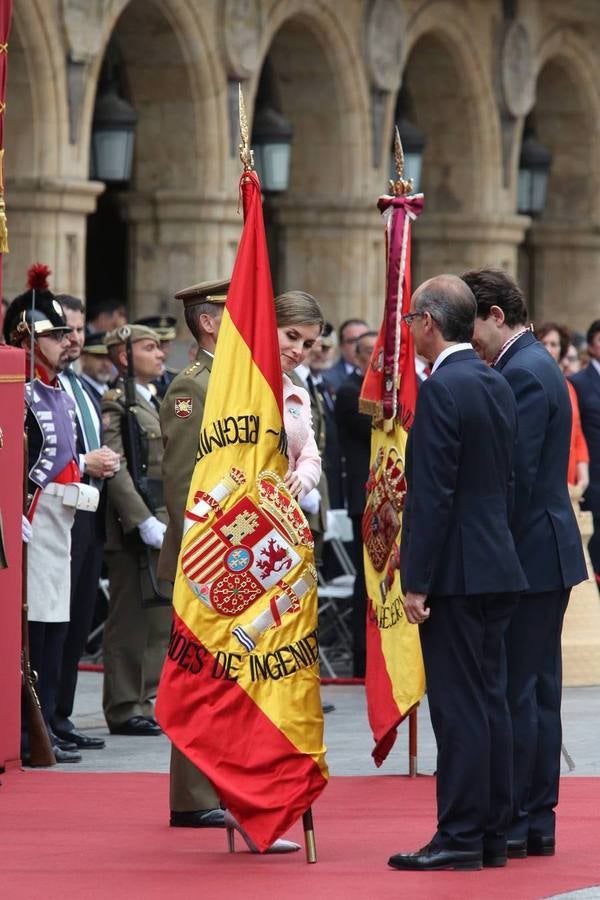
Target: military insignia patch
(183, 407)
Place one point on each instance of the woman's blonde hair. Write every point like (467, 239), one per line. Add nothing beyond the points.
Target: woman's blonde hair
(298, 308)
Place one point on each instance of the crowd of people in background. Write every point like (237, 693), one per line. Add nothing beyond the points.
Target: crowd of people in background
(90, 369)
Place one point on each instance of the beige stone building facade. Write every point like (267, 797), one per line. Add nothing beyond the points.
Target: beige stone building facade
(472, 73)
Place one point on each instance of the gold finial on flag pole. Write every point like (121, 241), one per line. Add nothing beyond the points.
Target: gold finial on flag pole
(401, 186)
(246, 152)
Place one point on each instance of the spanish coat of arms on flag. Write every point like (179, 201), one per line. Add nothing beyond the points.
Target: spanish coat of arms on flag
(239, 692)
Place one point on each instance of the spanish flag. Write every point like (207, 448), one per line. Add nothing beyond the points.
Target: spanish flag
(395, 680)
(239, 691)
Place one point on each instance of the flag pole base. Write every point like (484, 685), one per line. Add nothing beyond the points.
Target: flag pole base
(412, 743)
(309, 836)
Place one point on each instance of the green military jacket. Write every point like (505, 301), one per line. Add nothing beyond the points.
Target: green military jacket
(126, 509)
(180, 418)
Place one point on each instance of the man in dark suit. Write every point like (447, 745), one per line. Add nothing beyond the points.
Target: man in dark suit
(354, 429)
(461, 576)
(587, 384)
(87, 536)
(549, 547)
(350, 331)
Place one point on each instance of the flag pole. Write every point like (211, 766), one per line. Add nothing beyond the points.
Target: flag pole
(309, 836)
(412, 742)
(247, 159)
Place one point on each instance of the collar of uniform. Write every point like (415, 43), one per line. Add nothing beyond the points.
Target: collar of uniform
(302, 371)
(144, 392)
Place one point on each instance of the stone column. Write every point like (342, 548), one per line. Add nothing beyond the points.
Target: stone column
(47, 223)
(565, 258)
(333, 249)
(177, 239)
(454, 242)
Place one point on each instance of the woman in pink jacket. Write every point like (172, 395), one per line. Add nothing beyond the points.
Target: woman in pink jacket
(299, 324)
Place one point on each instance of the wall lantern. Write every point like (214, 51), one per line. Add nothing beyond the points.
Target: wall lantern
(113, 134)
(534, 169)
(272, 143)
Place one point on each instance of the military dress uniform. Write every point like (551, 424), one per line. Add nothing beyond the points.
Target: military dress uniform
(136, 634)
(180, 419)
(166, 329)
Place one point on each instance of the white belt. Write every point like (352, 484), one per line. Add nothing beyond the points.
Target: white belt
(75, 495)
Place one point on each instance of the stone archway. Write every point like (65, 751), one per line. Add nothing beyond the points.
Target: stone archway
(45, 204)
(325, 230)
(466, 221)
(178, 232)
(561, 254)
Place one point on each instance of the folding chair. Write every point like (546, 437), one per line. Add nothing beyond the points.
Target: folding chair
(334, 596)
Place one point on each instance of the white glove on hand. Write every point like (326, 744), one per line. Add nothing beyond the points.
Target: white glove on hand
(26, 529)
(310, 502)
(152, 532)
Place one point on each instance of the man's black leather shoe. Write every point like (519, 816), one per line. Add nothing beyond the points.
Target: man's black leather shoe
(516, 849)
(494, 858)
(431, 859)
(541, 845)
(57, 741)
(80, 740)
(137, 726)
(66, 756)
(198, 818)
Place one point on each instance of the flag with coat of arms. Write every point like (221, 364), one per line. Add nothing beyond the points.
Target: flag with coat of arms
(240, 689)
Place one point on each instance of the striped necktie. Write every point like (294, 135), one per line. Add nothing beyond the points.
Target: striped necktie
(89, 431)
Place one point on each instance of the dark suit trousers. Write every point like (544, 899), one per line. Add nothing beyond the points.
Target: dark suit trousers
(465, 667)
(45, 649)
(86, 561)
(594, 547)
(534, 696)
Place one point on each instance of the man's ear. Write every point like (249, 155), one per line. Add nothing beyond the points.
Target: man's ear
(122, 357)
(498, 315)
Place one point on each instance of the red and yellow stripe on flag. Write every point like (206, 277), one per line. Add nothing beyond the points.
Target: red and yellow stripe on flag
(239, 692)
(395, 679)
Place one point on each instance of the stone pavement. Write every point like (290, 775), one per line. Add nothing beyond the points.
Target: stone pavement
(347, 735)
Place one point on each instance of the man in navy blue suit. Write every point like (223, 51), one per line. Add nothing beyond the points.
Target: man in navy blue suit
(461, 576)
(549, 547)
(587, 385)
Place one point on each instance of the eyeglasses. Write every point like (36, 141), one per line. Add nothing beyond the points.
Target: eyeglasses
(410, 317)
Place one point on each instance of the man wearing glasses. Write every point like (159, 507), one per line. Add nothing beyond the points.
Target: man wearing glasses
(461, 575)
(349, 333)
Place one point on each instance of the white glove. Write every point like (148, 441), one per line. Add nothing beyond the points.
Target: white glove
(310, 502)
(152, 532)
(26, 529)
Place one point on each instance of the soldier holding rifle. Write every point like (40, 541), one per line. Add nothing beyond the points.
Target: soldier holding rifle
(137, 628)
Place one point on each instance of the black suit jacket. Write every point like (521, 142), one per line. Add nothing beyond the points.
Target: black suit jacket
(354, 429)
(456, 537)
(587, 385)
(543, 522)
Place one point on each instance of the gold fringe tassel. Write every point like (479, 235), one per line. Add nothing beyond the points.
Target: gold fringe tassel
(3, 221)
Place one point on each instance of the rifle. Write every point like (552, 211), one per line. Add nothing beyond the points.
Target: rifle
(40, 748)
(135, 444)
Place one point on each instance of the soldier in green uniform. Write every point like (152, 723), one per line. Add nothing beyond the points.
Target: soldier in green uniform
(136, 632)
(166, 329)
(193, 801)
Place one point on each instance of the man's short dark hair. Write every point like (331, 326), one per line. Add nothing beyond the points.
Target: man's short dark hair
(451, 305)
(346, 323)
(495, 287)
(593, 331)
(72, 303)
(192, 313)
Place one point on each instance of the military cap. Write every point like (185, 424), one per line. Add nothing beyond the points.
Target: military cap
(37, 309)
(205, 292)
(94, 343)
(164, 326)
(135, 332)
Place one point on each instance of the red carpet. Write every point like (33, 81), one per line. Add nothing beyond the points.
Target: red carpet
(105, 836)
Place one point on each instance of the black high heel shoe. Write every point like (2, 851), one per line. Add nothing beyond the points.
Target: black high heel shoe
(278, 846)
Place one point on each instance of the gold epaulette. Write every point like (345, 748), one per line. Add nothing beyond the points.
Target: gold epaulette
(195, 368)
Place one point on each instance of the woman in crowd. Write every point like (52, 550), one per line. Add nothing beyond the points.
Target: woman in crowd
(557, 340)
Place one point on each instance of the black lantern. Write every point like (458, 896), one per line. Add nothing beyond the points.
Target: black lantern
(534, 168)
(113, 135)
(413, 144)
(272, 143)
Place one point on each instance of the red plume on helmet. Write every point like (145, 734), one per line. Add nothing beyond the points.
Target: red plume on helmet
(37, 277)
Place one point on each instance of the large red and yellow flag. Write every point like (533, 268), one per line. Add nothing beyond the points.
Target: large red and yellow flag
(239, 692)
(395, 680)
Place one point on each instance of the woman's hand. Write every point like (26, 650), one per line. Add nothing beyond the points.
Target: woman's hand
(293, 483)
